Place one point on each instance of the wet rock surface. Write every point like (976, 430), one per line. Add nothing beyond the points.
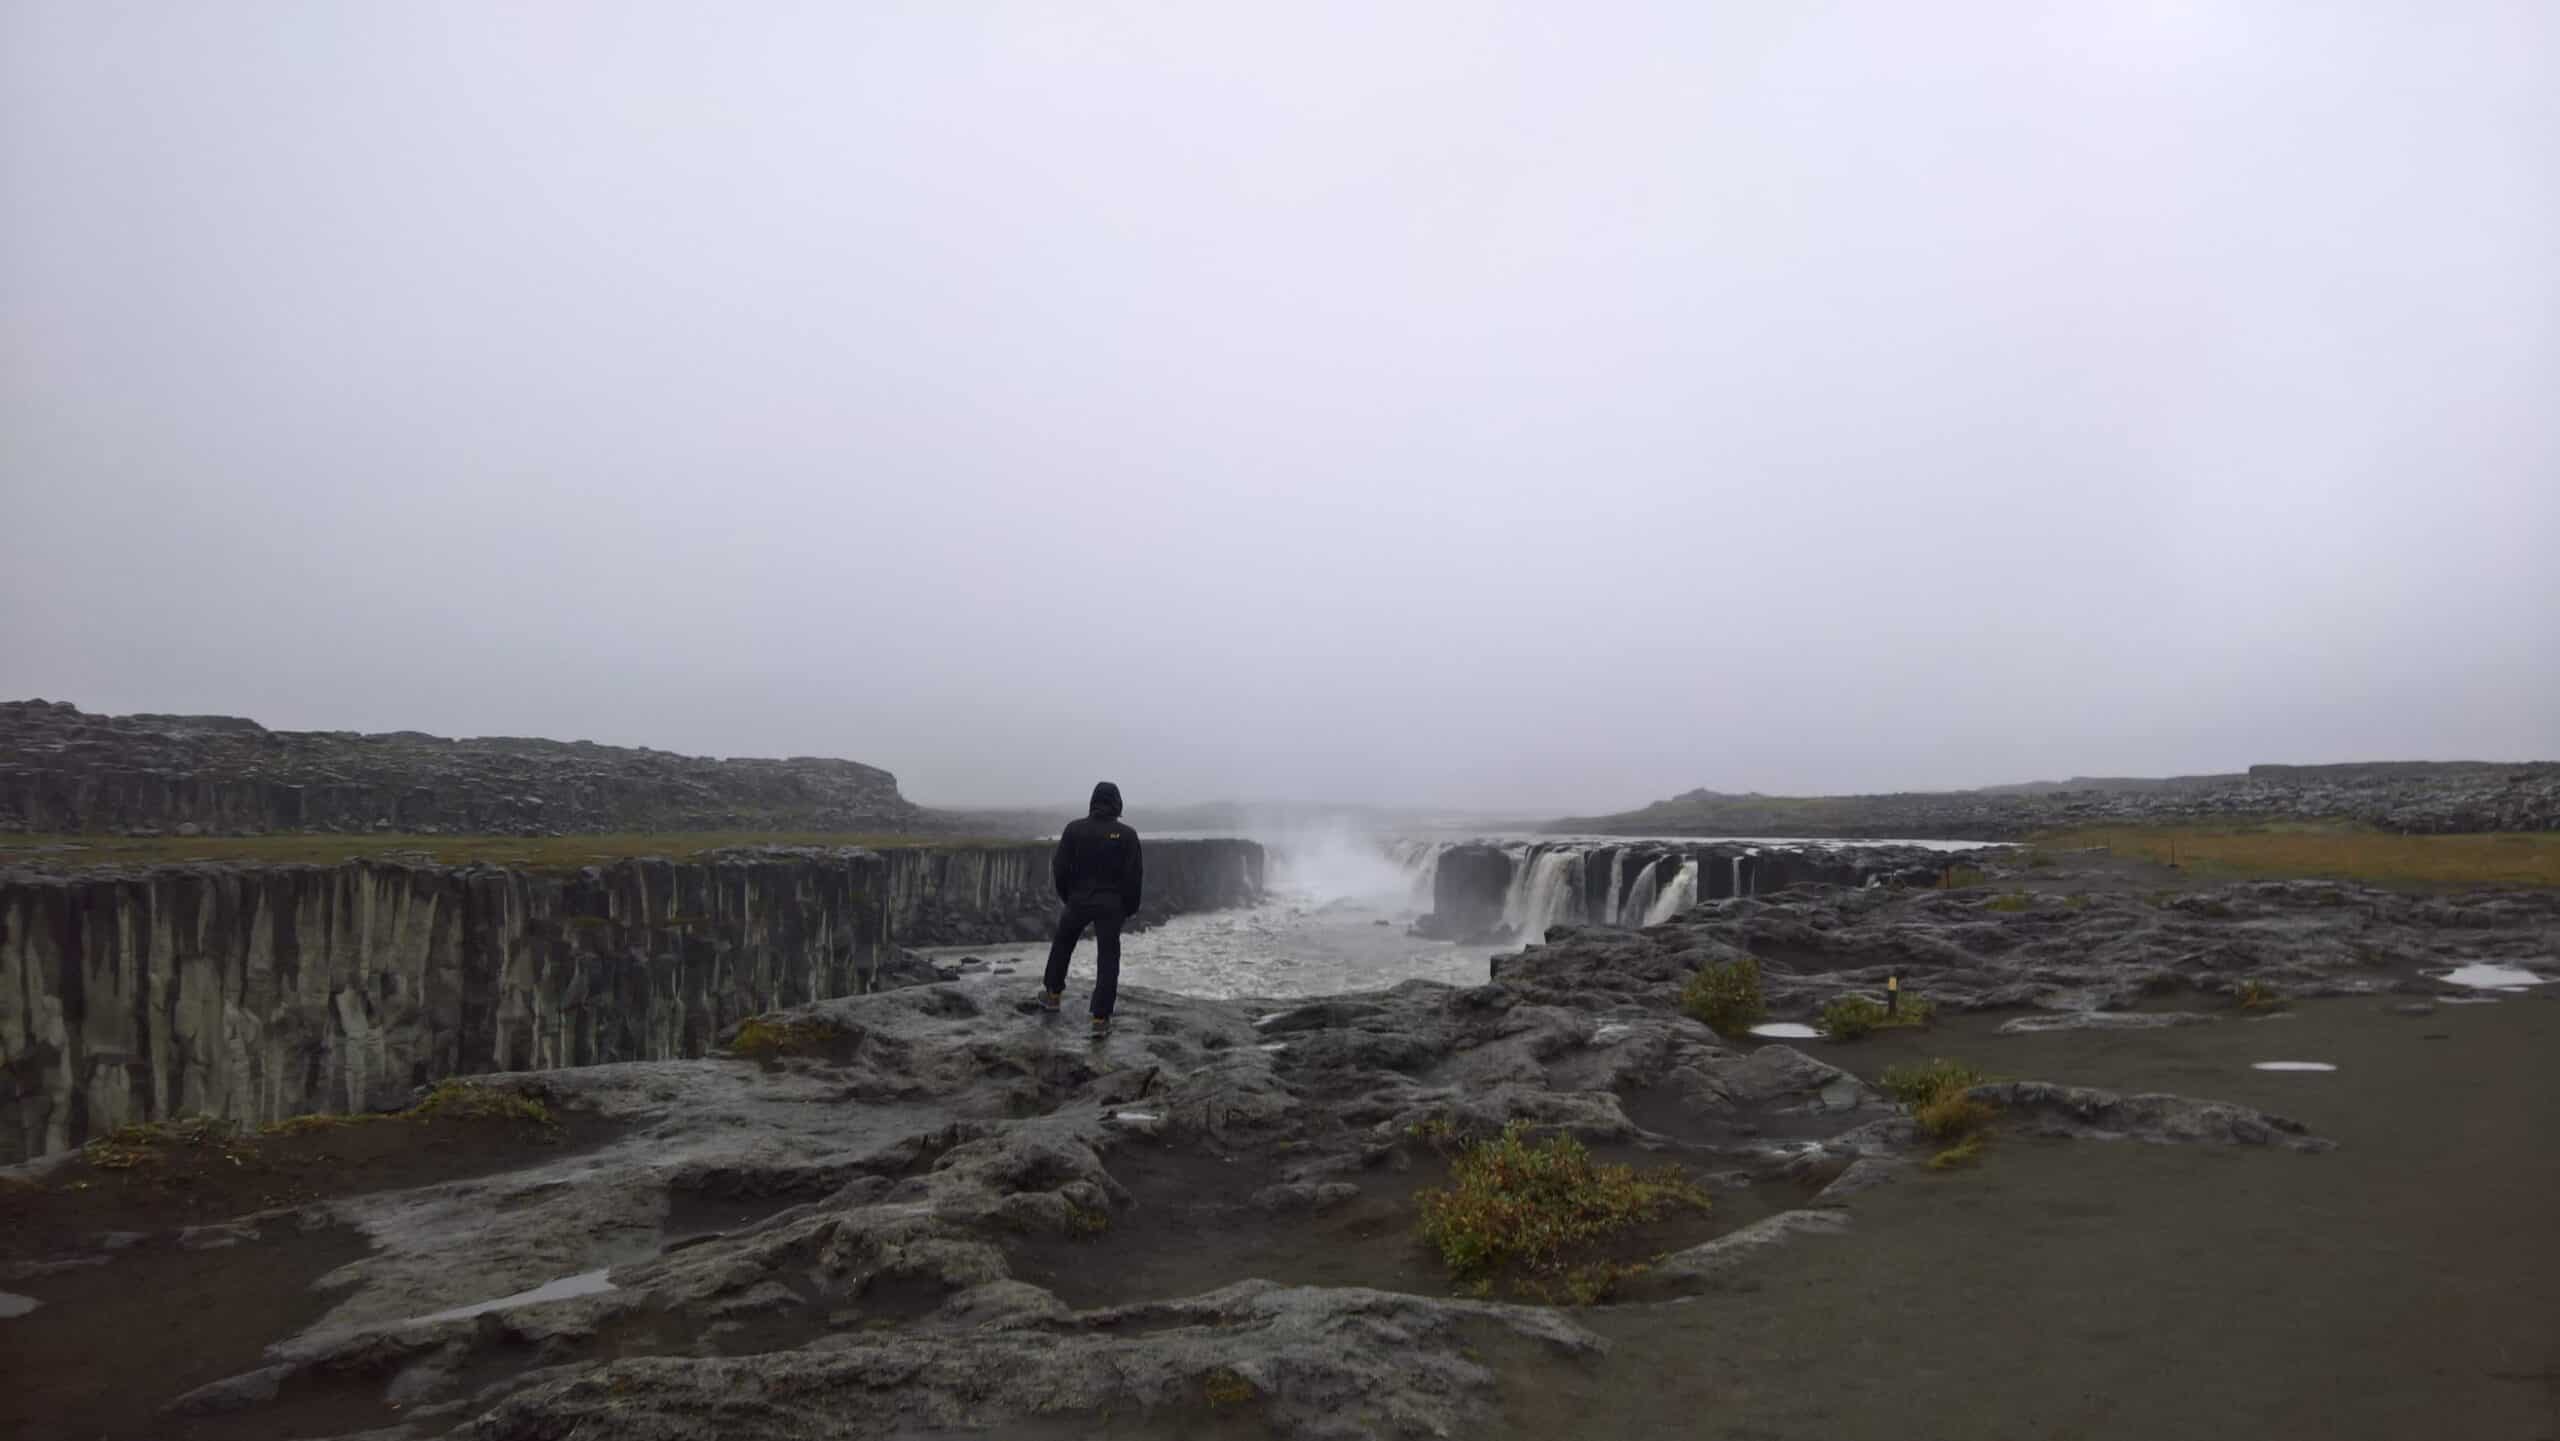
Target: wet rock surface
(2069, 948)
(948, 1213)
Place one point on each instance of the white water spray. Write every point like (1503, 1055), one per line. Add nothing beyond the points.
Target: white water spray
(1539, 892)
(1420, 861)
(1682, 895)
(1639, 901)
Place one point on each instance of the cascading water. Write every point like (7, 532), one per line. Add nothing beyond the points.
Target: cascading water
(1421, 862)
(1639, 901)
(1682, 894)
(1617, 878)
(1541, 888)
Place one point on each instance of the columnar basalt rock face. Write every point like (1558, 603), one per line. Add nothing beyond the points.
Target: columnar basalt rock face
(64, 770)
(260, 992)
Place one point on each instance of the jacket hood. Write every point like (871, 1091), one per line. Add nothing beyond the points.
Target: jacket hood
(1106, 800)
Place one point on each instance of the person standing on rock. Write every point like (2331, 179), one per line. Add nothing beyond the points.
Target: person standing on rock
(1100, 877)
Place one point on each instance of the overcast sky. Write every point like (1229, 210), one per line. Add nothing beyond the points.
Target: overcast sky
(1539, 406)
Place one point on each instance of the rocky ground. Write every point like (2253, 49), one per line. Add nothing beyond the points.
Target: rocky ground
(2418, 797)
(930, 1211)
(65, 770)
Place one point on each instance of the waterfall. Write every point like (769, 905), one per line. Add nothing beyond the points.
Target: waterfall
(1541, 886)
(1681, 896)
(1515, 894)
(1737, 875)
(1640, 894)
(1617, 878)
(1421, 863)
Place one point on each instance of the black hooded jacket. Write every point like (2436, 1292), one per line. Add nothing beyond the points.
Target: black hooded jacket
(1098, 857)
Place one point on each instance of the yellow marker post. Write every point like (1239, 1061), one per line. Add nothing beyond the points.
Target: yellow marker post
(1892, 994)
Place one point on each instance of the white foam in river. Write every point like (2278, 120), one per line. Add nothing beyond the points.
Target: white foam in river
(2292, 1066)
(1787, 1031)
(13, 1304)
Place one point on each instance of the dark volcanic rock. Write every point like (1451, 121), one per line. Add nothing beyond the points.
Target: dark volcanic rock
(63, 770)
(257, 992)
(2459, 796)
(960, 1219)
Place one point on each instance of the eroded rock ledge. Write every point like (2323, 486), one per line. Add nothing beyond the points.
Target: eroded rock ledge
(946, 1214)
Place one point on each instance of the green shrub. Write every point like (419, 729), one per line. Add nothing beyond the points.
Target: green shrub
(1513, 1204)
(1223, 1387)
(1915, 1084)
(325, 1121)
(2258, 996)
(1956, 878)
(1951, 1114)
(2013, 902)
(1726, 997)
(1940, 1096)
(1846, 1018)
(762, 1038)
(1962, 1153)
(1590, 1285)
(1434, 1131)
(459, 1100)
(147, 1143)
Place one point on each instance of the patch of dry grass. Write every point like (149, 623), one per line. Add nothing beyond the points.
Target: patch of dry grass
(2335, 852)
(1939, 1094)
(148, 1143)
(1224, 1387)
(1846, 1018)
(546, 853)
(461, 1100)
(1536, 1207)
(1963, 1153)
(763, 1038)
(2258, 996)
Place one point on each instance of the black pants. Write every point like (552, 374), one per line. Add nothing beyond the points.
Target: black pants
(1103, 914)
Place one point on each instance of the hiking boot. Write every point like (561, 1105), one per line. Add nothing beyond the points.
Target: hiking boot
(1049, 1000)
(1101, 1027)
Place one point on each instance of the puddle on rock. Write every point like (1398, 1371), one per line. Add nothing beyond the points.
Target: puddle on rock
(2291, 1066)
(586, 1283)
(2490, 976)
(12, 1304)
(1786, 1031)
